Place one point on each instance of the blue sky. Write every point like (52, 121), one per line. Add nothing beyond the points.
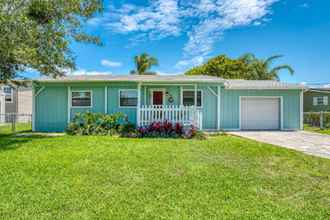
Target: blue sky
(184, 33)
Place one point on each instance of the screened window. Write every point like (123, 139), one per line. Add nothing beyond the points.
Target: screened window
(128, 98)
(320, 100)
(8, 91)
(188, 98)
(82, 99)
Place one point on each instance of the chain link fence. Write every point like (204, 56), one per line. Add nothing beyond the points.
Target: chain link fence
(317, 119)
(13, 123)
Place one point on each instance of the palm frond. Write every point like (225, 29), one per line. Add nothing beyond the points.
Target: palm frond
(270, 60)
(283, 67)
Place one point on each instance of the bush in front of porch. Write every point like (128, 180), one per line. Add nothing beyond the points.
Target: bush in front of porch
(117, 124)
(88, 123)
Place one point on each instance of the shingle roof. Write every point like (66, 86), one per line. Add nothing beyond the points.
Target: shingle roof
(229, 84)
(261, 84)
(136, 78)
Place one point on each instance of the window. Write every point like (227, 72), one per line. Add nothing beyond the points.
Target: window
(128, 98)
(188, 98)
(81, 99)
(8, 91)
(320, 100)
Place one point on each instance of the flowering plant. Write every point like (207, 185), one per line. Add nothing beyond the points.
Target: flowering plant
(166, 129)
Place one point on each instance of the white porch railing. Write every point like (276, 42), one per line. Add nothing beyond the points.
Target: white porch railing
(186, 115)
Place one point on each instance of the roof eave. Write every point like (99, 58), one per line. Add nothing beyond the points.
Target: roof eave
(265, 88)
(136, 81)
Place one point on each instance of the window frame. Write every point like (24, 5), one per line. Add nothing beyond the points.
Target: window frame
(119, 97)
(193, 90)
(91, 104)
(11, 94)
(319, 98)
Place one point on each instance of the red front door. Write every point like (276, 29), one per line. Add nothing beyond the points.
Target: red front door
(157, 98)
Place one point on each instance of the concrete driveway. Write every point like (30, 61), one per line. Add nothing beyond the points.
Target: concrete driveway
(307, 142)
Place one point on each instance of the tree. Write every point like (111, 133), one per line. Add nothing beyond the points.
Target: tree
(37, 34)
(245, 67)
(143, 63)
(222, 66)
(262, 68)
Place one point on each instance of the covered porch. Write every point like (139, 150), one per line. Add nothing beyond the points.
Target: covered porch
(177, 103)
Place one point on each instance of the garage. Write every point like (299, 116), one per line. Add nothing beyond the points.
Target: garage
(260, 113)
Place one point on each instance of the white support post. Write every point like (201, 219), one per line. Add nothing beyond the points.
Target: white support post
(321, 120)
(195, 101)
(145, 96)
(138, 104)
(69, 104)
(302, 110)
(33, 109)
(181, 98)
(106, 99)
(218, 108)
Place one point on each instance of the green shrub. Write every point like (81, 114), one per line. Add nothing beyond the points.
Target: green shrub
(88, 123)
(128, 130)
(313, 119)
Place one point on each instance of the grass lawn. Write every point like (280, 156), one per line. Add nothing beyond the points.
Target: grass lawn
(20, 127)
(223, 177)
(316, 129)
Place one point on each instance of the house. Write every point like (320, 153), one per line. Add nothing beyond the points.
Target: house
(15, 100)
(211, 103)
(317, 100)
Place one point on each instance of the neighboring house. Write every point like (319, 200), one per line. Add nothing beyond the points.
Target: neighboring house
(217, 104)
(317, 100)
(15, 100)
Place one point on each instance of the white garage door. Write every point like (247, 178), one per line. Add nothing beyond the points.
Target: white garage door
(260, 113)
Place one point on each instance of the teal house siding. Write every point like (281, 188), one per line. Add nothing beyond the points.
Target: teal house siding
(51, 109)
(98, 97)
(308, 101)
(113, 100)
(51, 102)
(230, 108)
(209, 108)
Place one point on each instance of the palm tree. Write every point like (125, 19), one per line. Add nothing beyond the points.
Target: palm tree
(143, 63)
(262, 68)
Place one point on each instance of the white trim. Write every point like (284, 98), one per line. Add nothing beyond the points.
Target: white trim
(152, 90)
(33, 109)
(11, 94)
(34, 95)
(319, 91)
(90, 106)
(106, 99)
(168, 84)
(40, 90)
(219, 108)
(145, 95)
(69, 104)
(138, 104)
(264, 88)
(119, 91)
(199, 90)
(195, 96)
(302, 110)
(212, 91)
(262, 97)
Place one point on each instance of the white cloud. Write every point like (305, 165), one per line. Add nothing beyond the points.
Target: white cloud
(195, 61)
(158, 20)
(109, 63)
(203, 21)
(304, 5)
(94, 21)
(87, 72)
